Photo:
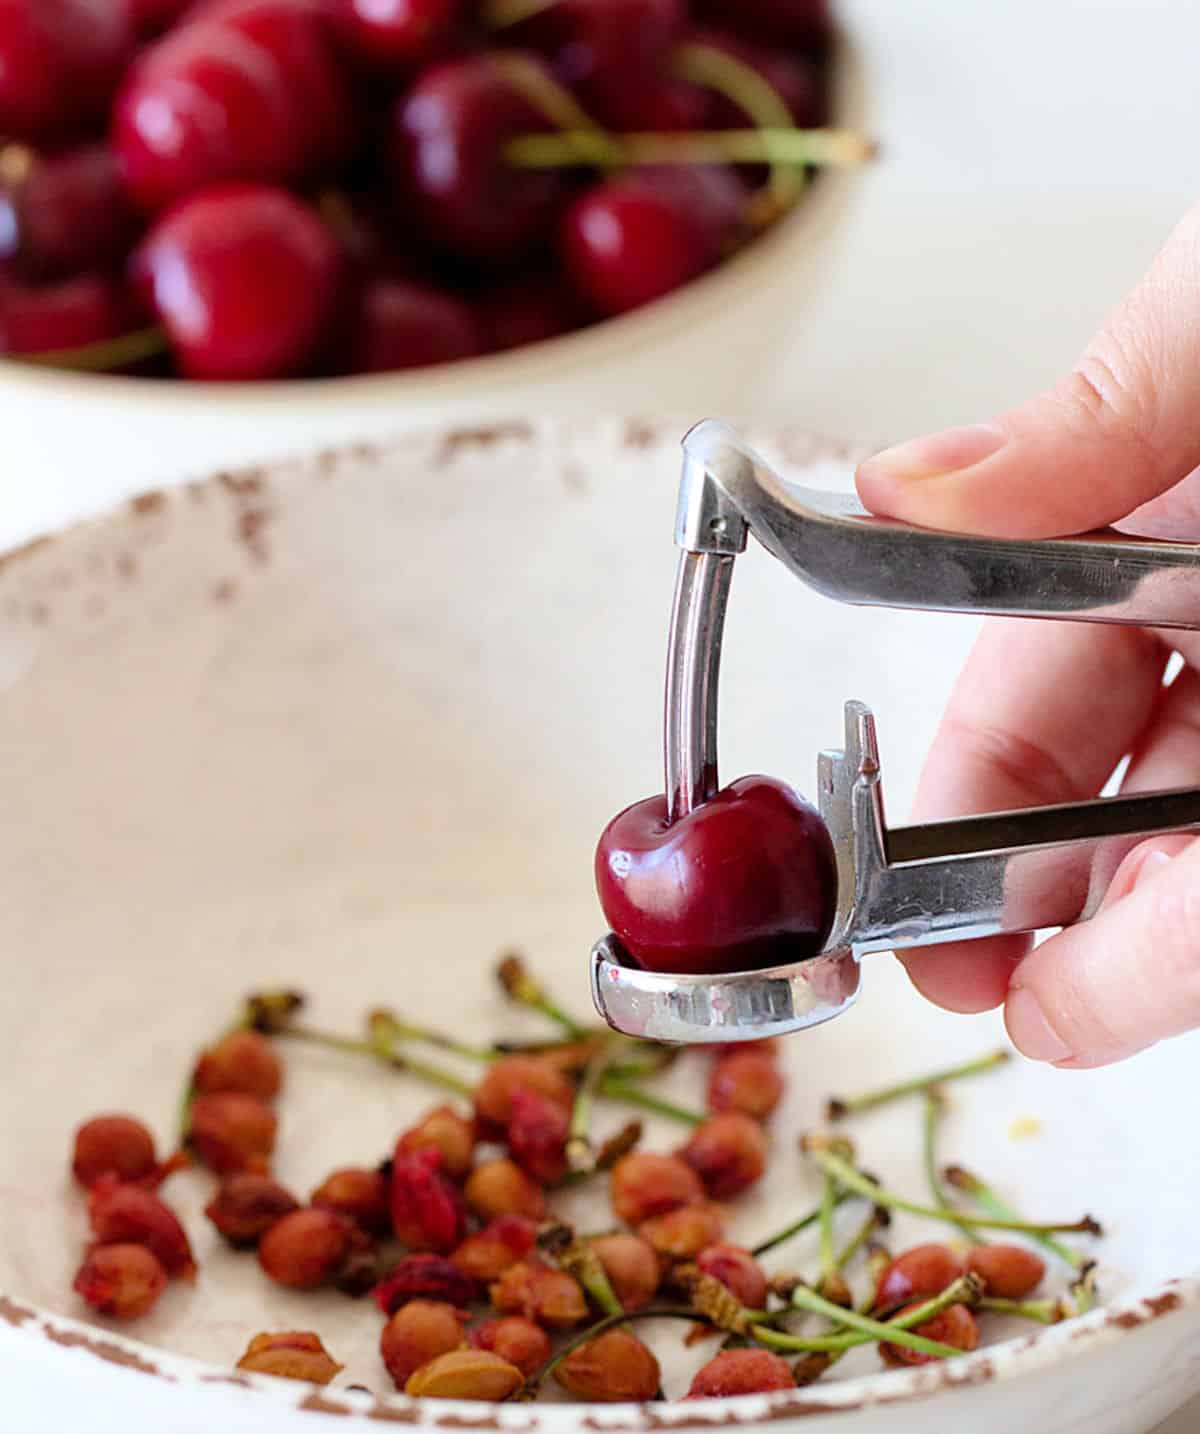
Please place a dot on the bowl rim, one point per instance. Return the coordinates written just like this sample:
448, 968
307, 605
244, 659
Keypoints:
1023, 1355
817, 212
1007, 1360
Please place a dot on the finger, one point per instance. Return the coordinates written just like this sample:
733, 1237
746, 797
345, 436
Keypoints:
1168, 751
1116, 432
1011, 737
1127, 978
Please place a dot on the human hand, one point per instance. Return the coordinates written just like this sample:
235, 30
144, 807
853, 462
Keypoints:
1043, 712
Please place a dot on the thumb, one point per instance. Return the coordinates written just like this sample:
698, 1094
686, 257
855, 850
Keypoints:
1127, 978
1117, 431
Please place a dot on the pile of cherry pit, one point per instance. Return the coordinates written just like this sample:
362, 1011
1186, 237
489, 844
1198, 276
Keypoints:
259, 189
487, 1295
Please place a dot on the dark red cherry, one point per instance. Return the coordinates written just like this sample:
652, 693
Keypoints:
447, 155
248, 90
244, 279
152, 17
400, 32
744, 881
799, 24
612, 51
66, 212
51, 318
663, 104
526, 311
59, 63
796, 79
633, 239
401, 324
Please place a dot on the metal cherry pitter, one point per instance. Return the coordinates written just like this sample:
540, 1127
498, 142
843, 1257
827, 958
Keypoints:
898, 887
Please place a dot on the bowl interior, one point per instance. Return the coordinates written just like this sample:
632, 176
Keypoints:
353, 726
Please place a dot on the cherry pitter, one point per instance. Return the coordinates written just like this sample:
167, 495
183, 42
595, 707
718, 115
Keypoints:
896, 887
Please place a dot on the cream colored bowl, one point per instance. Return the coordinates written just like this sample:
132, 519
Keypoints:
353, 726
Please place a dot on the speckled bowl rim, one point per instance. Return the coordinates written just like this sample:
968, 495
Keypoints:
1005, 1361
703, 297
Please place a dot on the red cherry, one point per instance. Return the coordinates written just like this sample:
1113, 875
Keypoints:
70, 315
800, 24
797, 80
400, 32
745, 881
663, 105
249, 90
244, 279
526, 311
68, 212
630, 240
611, 50
448, 134
401, 324
59, 63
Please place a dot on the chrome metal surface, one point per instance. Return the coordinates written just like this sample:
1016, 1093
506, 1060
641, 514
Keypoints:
834, 546
910, 886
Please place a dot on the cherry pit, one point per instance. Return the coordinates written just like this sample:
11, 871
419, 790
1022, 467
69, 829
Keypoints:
236, 190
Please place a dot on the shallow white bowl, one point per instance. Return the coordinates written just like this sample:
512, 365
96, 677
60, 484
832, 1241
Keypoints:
353, 726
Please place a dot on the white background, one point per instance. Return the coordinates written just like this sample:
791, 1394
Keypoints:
1036, 152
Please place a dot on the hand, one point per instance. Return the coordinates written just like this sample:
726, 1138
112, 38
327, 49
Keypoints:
1045, 711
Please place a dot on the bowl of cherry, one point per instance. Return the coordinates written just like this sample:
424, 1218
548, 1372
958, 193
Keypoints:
293, 1140
261, 190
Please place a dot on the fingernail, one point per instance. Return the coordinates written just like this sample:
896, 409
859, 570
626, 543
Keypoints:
1031, 1032
936, 456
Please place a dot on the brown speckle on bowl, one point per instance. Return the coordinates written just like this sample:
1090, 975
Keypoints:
484, 437
151, 502
13, 1313
103, 1349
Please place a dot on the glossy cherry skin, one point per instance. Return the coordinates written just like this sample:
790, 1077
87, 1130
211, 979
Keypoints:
60, 61
400, 324
51, 318
447, 138
612, 51
399, 33
630, 240
67, 213
745, 881
800, 24
244, 279
249, 89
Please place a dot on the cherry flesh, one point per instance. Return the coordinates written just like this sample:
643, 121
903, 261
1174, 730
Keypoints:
745, 881
244, 279
400, 324
67, 212
400, 32
60, 61
152, 17
447, 155
630, 240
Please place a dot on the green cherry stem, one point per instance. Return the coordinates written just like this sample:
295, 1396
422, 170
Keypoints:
841, 1106
797, 1227
105, 356
581, 1157
853, 1179
1043, 1311
571, 147
394, 1060
828, 1255
860, 1329
521, 987
392, 1028
629, 1094
987, 1199
931, 1123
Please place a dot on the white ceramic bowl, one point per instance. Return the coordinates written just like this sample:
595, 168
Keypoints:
81, 441
353, 726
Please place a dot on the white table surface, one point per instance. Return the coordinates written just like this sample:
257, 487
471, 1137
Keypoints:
1036, 153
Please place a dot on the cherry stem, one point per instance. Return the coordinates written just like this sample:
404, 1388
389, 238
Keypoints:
521, 987
423, 1070
570, 148
875, 1221
499, 14
797, 1227
389, 1028
534, 1383
829, 1264
846, 1174
841, 1106
107, 354
985, 1197
630, 1094
716, 69
935, 1109
1043, 1311
581, 1157
860, 1329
